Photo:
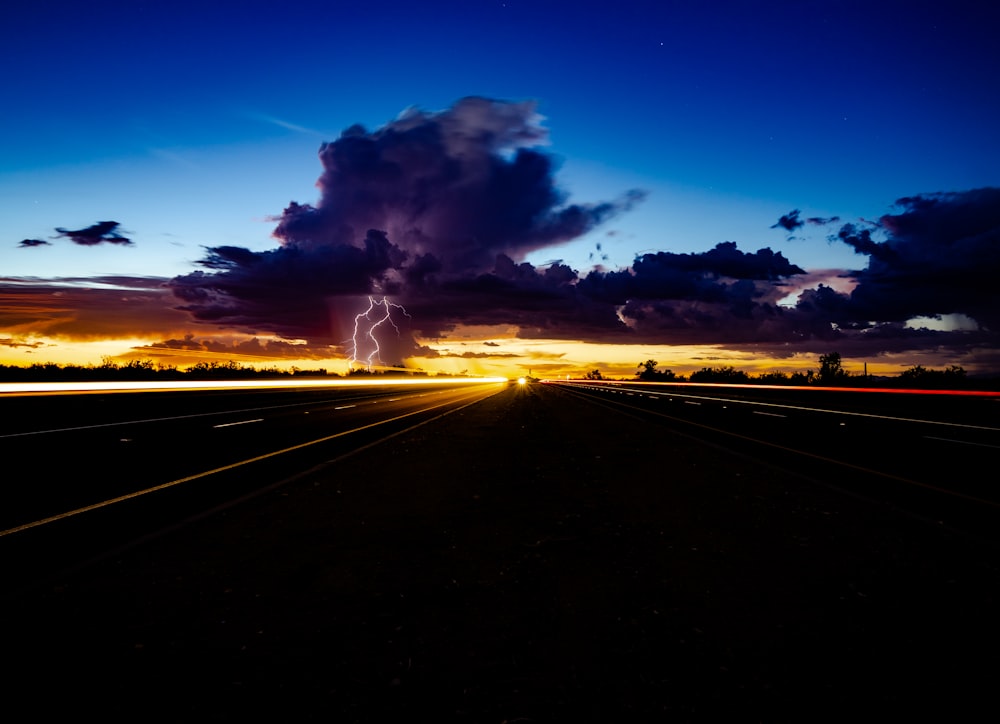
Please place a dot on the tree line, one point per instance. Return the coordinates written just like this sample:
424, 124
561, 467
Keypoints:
147, 370
831, 373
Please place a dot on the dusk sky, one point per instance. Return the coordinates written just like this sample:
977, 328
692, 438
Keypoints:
546, 186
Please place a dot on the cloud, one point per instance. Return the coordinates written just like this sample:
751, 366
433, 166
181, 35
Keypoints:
99, 233
29, 243
88, 309
940, 255
433, 208
437, 211
463, 184
18, 342
789, 222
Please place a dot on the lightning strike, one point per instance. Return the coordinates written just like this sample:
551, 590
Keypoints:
366, 326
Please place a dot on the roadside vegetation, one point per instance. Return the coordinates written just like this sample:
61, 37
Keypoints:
142, 369
830, 373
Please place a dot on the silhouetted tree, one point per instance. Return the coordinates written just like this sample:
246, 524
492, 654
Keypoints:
803, 378
593, 375
831, 369
647, 370
726, 374
649, 373
954, 376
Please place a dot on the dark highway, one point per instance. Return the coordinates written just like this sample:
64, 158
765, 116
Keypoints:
538, 552
106, 466
937, 447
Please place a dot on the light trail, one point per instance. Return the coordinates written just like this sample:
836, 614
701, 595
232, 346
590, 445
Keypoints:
50, 388
797, 388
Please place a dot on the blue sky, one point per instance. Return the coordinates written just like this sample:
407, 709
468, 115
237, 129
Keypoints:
195, 124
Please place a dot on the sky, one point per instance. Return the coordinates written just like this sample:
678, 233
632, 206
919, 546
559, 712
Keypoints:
547, 187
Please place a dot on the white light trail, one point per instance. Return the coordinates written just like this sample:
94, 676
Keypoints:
49, 388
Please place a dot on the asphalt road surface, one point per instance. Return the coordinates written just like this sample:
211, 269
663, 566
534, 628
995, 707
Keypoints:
538, 555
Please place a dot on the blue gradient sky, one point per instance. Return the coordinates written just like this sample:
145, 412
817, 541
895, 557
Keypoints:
194, 123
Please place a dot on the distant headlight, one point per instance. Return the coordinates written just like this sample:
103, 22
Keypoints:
522, 381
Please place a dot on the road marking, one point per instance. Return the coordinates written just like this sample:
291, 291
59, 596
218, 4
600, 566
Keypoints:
344, 407
241, 422
768, 414
963, 442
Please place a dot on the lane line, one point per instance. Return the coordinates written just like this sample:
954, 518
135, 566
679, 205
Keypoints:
963, 442
241, 422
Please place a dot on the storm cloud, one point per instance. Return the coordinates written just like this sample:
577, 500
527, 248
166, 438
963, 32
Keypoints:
437, 210
103, 232
430, 205
940, 255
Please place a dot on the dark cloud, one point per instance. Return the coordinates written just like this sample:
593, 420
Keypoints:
436, 212
789, 222
28, 243
100, 233
712, 276
429, 209
235, 349
939, 255
464, 184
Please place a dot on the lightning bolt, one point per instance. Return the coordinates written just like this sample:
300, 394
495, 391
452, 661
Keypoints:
365, 326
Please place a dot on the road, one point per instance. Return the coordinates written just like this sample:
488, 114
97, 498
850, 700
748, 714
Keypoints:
545, 554
937, 452
84, 471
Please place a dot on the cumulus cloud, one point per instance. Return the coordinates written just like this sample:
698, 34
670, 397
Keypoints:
437, 211
940, 255
103, 232
430, 208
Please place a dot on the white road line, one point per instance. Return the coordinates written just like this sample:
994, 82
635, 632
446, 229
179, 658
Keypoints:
344, 407
241, 422
768, 414
962, 442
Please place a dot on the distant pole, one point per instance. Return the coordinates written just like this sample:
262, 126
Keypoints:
866, 369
